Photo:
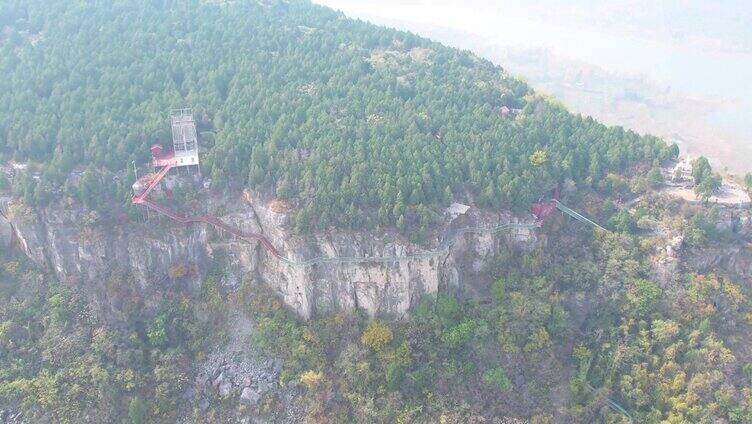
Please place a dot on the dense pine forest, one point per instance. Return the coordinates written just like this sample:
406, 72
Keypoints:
354, 124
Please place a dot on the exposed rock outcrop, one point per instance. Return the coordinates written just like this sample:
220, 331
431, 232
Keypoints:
235, 374
732, 260
6, 231
731, 257
61, 240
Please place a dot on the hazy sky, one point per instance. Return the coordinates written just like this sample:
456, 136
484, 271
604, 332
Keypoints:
702, 49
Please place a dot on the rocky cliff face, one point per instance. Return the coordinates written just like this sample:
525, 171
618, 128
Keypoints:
6, 231
61, 240
731, 258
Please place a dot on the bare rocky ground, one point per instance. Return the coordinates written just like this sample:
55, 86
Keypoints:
235, 384
730, 194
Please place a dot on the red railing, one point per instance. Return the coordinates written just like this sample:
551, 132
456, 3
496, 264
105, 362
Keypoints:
541, 210
141, 199
153, 183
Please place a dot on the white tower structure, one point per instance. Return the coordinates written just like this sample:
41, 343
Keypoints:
184, 139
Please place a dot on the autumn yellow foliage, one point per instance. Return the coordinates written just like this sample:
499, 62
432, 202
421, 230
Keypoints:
539, 157
311, 379
377, 335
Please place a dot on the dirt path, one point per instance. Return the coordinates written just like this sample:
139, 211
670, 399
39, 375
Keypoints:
729, 194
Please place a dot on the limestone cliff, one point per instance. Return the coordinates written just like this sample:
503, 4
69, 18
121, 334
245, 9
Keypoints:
65, 241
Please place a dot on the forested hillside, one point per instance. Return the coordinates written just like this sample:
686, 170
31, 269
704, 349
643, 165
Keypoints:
355, 124
564, 330
64, 361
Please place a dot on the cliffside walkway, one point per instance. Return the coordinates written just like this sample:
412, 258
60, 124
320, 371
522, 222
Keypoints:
560, 206
142, 199
442, 249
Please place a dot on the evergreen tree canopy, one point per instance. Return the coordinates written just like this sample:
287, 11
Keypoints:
337, 116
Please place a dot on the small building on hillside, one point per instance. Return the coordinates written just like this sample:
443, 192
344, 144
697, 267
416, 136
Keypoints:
509, 112
457, 209
682, 173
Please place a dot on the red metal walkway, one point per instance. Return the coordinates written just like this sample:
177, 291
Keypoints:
541, 210
141, 199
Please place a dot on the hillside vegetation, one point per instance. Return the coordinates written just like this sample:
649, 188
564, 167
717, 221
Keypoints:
563, 328
360, 127
355, 124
